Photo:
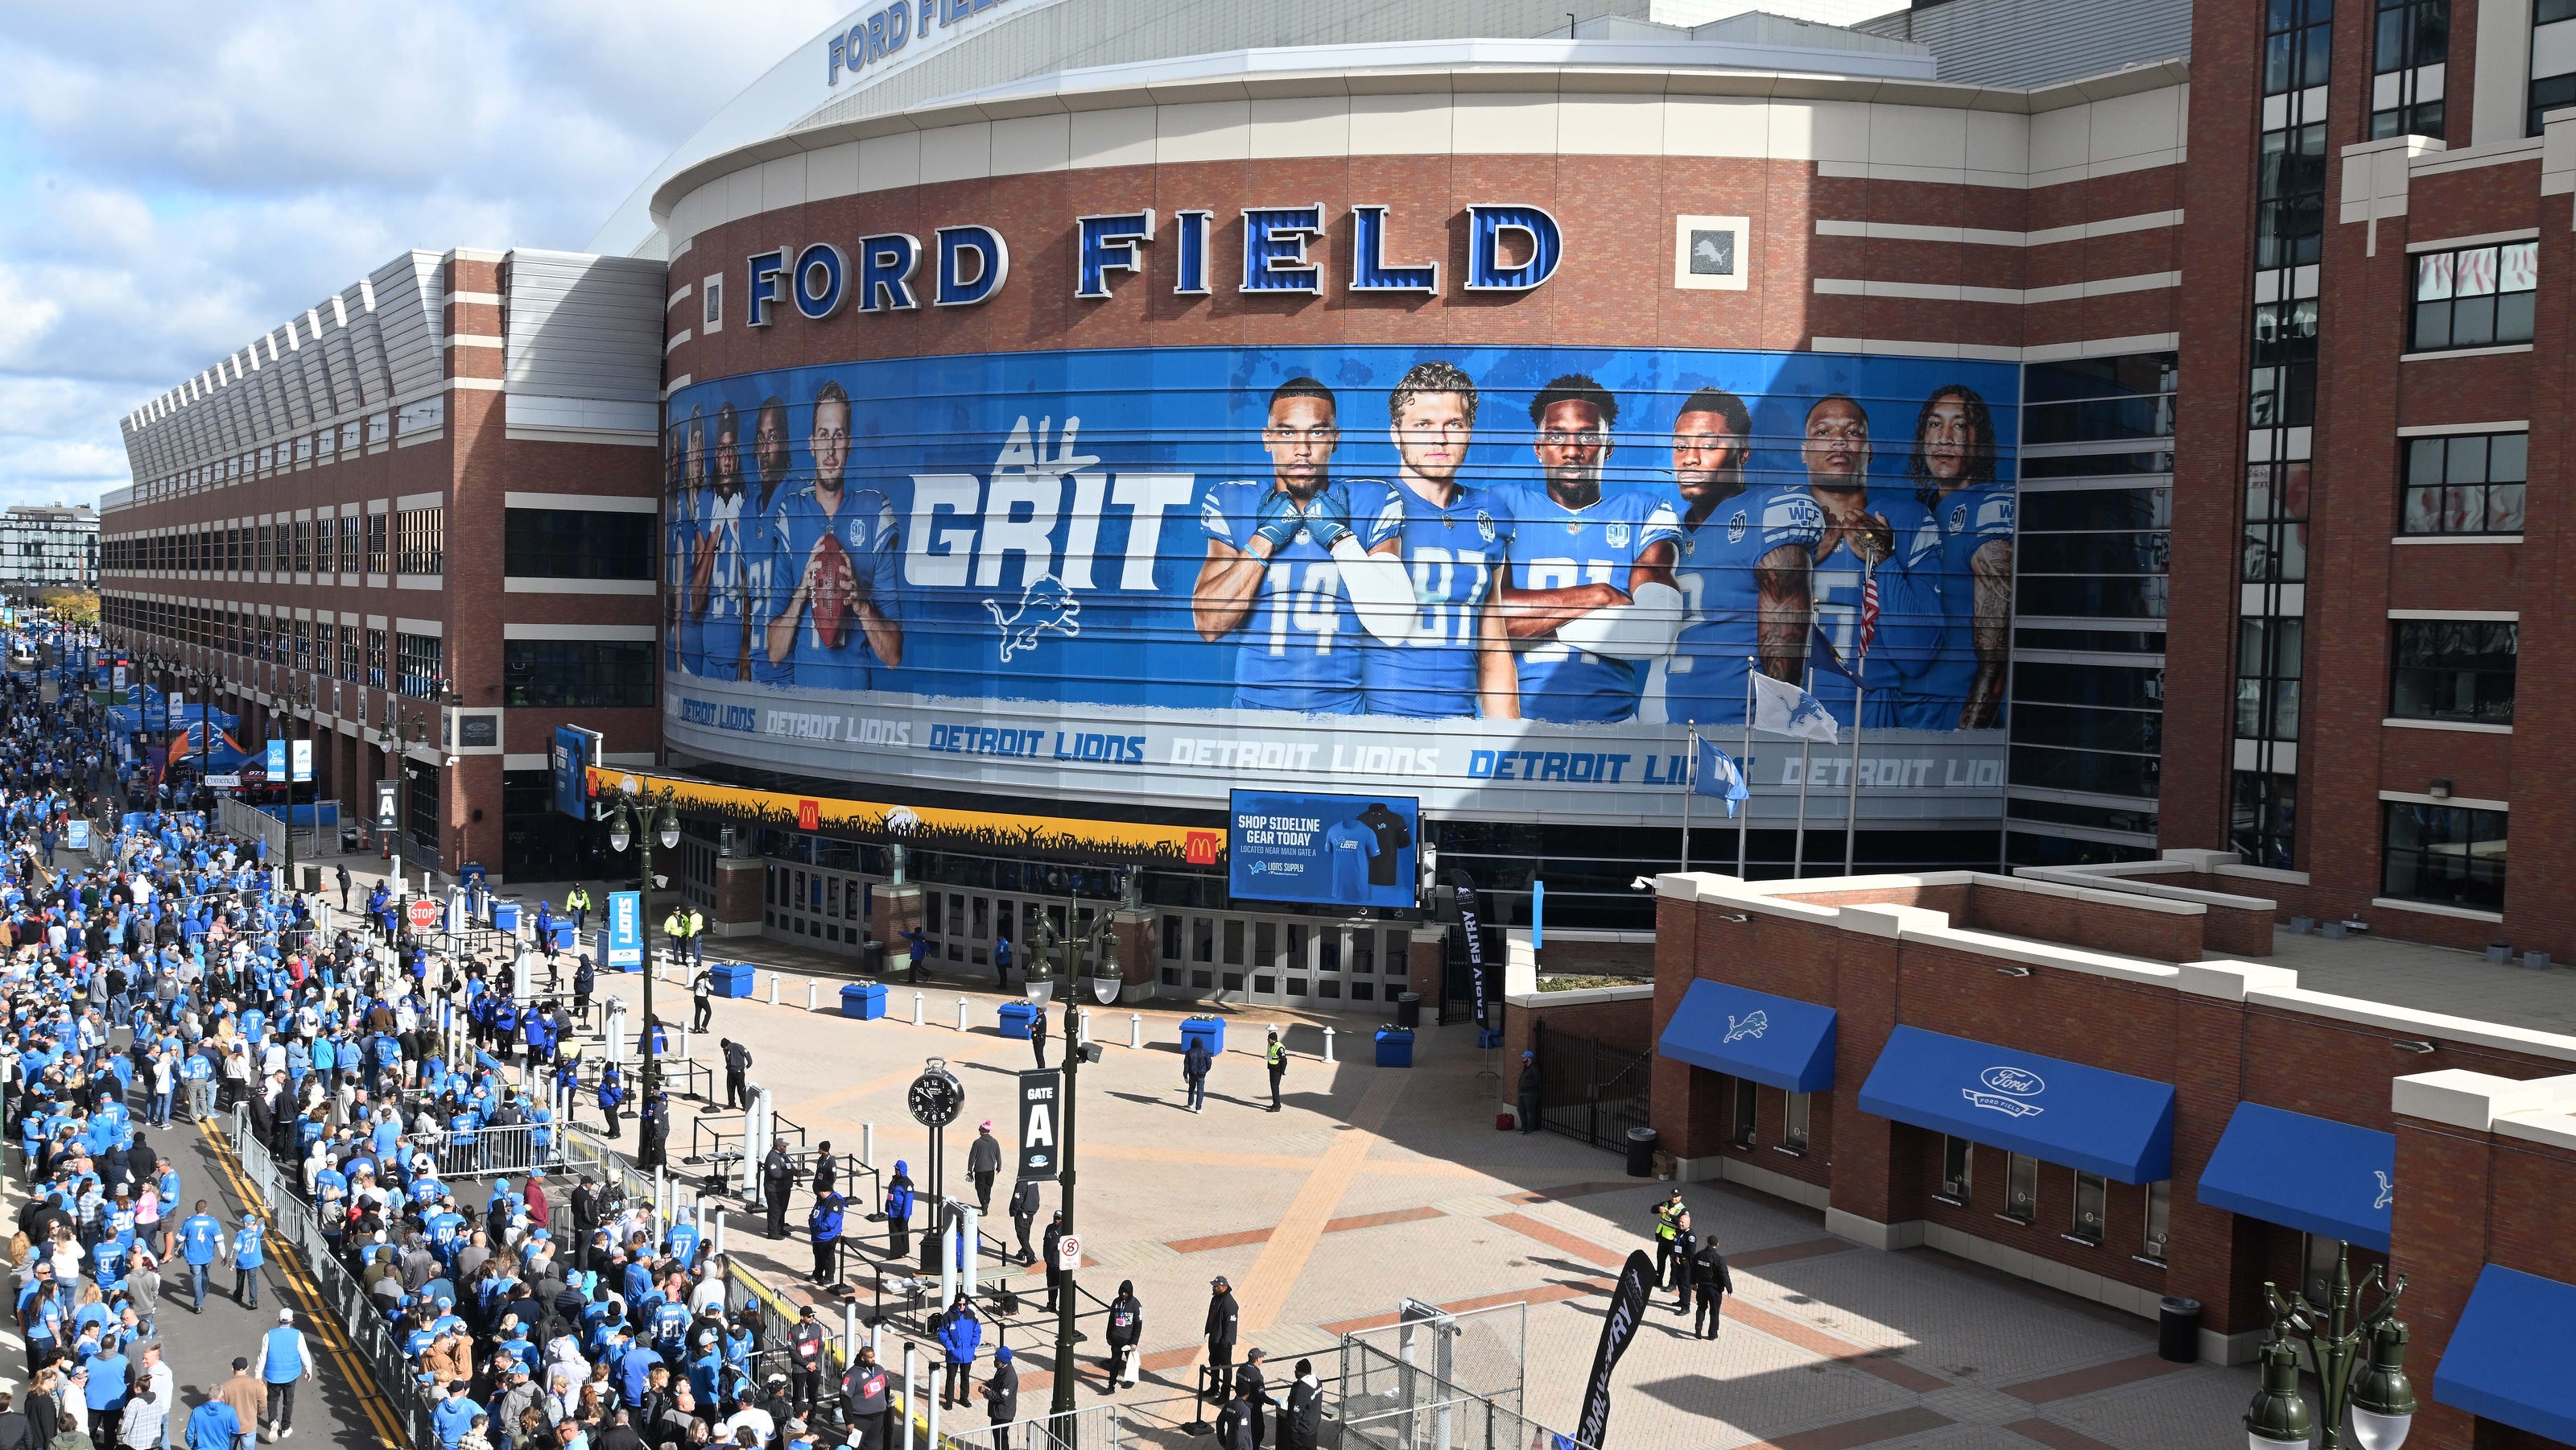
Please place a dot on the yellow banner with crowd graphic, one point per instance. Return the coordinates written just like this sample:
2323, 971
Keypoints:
929, 827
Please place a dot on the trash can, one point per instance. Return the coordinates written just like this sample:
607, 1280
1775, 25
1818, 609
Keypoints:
1641, 1152
1408, 1010
872, 957
2178, 1330
312, 878
865, 1001
1394, 1047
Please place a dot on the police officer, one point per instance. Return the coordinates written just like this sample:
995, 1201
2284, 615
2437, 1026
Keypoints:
1527, 1093
1668, 1216
1223, 1315
777, 1180
1254, 1393
1055, 1275
1276, 1057
1710, 1284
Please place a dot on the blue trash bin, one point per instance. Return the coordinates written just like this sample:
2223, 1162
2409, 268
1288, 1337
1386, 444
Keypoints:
1394, 1047
1016, 1017
865, 1001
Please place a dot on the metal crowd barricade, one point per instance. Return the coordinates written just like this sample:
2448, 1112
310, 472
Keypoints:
473, 1153
1381, 1402
1093, 1427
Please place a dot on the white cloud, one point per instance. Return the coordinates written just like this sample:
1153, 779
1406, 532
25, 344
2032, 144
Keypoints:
163, 201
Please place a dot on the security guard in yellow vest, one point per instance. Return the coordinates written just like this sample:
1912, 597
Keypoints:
1276, 1057
577, 903
675, 930
1668, 1228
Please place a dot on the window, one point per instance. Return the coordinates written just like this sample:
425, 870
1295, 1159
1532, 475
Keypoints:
2291, 205
2276, 523
326, 647
2450, 855
2405, 97
2467, 483
2475, 296
267, 538
2298, 39
2452, 669
420, 541
304, 546
579, 673
2159, 1217
2263, 819
2267, 677
422, 659
1747, 1108
2284, 380
376, 663
352, 530
2089, 1195
352, 655
326, 546
376, 543
1793, 1122
1958, 1168
578, 544
2021, 1187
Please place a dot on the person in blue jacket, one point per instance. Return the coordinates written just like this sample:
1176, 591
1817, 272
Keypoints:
201, 1238
284, 1361
898, 1210
214, 1426
612, 1094
824, 1224
960, 1335
455, 1415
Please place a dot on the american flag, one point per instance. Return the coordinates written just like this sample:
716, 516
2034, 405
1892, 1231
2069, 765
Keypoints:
1868, 614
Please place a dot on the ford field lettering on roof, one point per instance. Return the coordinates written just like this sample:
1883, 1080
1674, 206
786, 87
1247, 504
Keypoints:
2013, 1088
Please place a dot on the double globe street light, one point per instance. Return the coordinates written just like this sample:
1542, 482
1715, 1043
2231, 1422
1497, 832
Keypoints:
663, 827
2377, 1397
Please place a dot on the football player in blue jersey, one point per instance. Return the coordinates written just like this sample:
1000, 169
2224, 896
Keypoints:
1857, 549
1301, 564
1965, 543
770, 451
715, 575
681, 509
1588, 599
833, 554
1457, 660
1745, 557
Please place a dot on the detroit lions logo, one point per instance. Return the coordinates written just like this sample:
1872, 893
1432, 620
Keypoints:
1045, 605
1753, 1024
2387, 1188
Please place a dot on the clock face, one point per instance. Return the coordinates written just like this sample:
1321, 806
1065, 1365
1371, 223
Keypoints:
935, 1099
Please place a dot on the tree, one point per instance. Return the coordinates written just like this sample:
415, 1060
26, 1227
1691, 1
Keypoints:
72, 606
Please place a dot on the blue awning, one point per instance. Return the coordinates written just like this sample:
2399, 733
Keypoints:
2507, 1360
2311, 1174
2059, 1112
1779, 1042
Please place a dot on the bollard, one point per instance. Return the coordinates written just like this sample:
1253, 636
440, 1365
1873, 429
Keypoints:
773, 991
868, 1144
933, 1406
967, 1234
684, 1042
1328, 1044
911, 1397
811, 987
1136, 1029
715, 1235
1082, 1025
916, 1009
850, 1332
961, 1014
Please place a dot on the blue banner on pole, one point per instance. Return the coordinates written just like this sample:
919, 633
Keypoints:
623, 950
276, 760
571, 762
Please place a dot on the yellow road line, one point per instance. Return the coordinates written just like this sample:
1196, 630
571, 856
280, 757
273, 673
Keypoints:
335, 1342
1264, 1291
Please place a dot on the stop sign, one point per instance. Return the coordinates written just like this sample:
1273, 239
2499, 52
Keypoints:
425, 913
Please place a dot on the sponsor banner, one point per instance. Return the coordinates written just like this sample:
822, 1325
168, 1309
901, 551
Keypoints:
1618, 1327
1094, 842
1503, 580
574, 750
622, 934
1454, 767
1464, 886
1326, 850
1039, 1103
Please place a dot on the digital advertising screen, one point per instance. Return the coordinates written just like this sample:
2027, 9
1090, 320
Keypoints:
1323, 850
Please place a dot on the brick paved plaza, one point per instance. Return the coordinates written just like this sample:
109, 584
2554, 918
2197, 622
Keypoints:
1376, 1184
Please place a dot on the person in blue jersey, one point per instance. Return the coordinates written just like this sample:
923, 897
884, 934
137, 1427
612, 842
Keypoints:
688, 533
1746, 552
771, 454
716, 569
833, 552
1965, 544
1456, 662
678, 543
1861, 528
1588, 600
1300, 565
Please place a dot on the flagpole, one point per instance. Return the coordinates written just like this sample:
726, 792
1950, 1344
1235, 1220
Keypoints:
1744, 822
1690, 787
1798, 850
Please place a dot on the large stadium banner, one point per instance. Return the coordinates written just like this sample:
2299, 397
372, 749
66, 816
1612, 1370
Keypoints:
1499, 579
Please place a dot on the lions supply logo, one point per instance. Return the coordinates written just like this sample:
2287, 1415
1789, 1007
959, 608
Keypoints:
1737, 526
2387, 1188
1752, 1024
1045, 605
1484, 526
2011, 1091
1615, 535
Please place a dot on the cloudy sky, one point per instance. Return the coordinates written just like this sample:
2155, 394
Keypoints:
176, 179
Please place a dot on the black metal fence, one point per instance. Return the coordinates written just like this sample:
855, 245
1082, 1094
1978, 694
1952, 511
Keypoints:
1591, 1090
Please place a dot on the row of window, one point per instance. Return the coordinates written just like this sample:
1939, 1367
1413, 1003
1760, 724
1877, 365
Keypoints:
537, 543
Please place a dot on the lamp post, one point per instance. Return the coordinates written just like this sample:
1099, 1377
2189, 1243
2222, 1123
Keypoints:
400, 733
1077, 1052
292, 700
643, 818
2376, 1396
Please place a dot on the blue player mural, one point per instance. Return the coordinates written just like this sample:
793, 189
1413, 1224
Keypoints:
1570, 537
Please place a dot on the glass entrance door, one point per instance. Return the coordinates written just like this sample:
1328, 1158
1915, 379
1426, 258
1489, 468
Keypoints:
1220, 956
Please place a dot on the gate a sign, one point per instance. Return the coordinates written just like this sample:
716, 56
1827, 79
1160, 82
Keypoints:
1040, 1140
809, 815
